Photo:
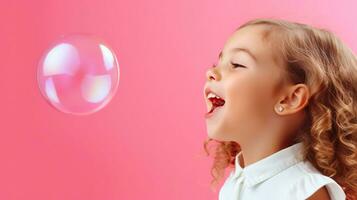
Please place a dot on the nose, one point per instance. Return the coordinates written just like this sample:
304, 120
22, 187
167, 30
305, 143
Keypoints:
212, 74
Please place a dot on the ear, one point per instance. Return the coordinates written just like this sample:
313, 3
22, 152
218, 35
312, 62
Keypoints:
294, 100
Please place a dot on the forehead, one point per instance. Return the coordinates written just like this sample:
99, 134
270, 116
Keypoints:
251, 38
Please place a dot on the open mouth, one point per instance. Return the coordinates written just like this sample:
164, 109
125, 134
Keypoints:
216, 101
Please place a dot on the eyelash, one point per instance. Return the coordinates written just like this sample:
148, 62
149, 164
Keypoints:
235, 65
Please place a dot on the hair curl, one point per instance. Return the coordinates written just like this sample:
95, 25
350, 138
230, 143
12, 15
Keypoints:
319, 59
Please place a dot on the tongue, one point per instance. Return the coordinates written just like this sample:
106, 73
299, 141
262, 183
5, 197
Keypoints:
216, 103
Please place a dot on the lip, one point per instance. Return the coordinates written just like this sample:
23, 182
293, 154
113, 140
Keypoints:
209, 115
208, 89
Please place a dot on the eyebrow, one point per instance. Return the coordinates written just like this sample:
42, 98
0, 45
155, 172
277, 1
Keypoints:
240, 49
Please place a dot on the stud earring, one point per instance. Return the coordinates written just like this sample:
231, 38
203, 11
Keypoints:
281, 108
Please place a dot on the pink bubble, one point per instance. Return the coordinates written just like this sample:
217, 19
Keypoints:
78, 74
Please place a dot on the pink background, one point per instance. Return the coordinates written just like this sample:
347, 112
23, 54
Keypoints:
147, 142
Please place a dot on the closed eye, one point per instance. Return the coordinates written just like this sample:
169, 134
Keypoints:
235, 65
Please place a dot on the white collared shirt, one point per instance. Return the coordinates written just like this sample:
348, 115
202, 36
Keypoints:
283, 175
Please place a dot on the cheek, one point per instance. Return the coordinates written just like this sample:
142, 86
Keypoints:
249, 100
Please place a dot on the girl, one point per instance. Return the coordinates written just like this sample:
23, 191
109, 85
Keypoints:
282, 104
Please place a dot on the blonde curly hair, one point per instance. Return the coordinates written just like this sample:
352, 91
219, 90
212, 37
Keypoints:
319, 59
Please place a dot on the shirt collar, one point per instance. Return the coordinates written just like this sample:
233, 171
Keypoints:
270, 165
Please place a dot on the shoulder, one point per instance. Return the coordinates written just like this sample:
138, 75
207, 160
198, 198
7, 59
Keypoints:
314, 185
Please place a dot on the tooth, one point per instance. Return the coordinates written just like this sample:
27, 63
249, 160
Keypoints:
211, 94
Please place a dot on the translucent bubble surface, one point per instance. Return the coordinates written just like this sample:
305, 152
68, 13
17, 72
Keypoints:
78, 74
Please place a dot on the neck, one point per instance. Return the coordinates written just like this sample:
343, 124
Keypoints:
256, 150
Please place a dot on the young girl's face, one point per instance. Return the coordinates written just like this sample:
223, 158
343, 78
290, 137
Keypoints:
248, 79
